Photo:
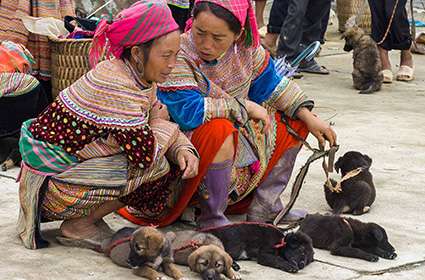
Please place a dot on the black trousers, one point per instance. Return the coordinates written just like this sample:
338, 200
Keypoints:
399, 37
299, 22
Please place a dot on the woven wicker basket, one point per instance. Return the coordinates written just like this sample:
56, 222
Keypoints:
347, 8
70, 61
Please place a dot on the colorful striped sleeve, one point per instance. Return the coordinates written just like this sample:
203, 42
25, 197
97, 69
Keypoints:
279, 92
187, 94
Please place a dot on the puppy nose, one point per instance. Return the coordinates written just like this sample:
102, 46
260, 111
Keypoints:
393, 256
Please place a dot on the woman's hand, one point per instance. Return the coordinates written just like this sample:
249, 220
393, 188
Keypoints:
159, 111
188, 163
258, 113
321, 130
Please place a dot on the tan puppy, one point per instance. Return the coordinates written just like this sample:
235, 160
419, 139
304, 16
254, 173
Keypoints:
212, 262
204, 253
146, 250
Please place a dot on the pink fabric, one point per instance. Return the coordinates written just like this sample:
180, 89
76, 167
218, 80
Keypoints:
240, 9
142, 22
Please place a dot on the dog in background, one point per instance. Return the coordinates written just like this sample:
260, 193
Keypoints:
367, 67
357, 191
269, 245
204, 253
348, 237
146, 250
9, 153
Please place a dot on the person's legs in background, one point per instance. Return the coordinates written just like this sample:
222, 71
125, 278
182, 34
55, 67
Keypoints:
398, 37
292, 29
260, 5
278, 13
324, 26
379, 24
317, 13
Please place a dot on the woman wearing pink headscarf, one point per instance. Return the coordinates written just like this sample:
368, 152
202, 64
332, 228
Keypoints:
106, 142
226, 94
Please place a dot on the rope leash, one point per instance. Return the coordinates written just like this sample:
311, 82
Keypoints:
193, 244
389, 23
299, 180
353, 173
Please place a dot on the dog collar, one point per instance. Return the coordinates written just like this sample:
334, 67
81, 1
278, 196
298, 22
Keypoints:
281, 244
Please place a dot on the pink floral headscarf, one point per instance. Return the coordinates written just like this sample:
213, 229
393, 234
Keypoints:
241, 9
142, 22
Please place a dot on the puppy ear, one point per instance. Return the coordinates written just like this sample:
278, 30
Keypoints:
191, 260
338, 164
228, 261
378, 234
228, 264
368, 159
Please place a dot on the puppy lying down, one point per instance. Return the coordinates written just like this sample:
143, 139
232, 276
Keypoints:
348, 237
146, 250
203, 253
269, 245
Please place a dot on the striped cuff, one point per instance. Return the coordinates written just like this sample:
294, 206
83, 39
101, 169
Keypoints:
288, 98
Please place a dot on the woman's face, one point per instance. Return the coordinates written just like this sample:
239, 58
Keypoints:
162, 57
212, 36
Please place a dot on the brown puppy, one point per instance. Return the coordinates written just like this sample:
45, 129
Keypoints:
211, 262
146, 250
203, 253
367, 66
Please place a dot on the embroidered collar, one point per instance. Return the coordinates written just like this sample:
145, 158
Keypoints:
136, 75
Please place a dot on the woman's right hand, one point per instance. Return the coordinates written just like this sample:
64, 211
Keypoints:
258, 113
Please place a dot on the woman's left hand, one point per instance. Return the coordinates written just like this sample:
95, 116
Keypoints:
159, 111
320, 129
188, 163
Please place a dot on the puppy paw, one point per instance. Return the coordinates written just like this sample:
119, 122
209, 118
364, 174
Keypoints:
389, 255
236, 276
291, 269
373, 259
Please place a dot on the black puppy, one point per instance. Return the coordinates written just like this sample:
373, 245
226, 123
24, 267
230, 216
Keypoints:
267, 244
357, 192
9, 153
348, 237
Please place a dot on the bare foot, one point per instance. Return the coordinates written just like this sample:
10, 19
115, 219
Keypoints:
79, 228
406, 58
385, 59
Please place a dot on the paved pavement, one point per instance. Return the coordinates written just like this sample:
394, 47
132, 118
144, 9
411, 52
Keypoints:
388, 126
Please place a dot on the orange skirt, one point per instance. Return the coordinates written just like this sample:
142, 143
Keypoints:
208, 140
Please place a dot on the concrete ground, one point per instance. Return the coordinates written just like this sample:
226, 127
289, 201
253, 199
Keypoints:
388, 126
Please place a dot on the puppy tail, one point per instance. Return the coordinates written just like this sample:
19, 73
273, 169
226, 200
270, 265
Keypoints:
371, 89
